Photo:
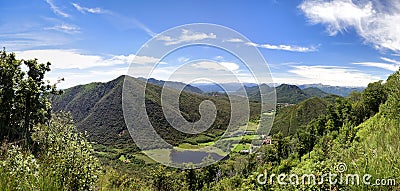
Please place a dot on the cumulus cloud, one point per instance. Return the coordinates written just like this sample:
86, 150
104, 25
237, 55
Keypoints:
375, 23
85, 76
69, 59
186, 36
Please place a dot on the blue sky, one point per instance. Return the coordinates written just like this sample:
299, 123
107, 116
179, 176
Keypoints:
338, 42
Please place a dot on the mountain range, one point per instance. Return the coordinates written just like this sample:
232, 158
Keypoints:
231, 87
97, 109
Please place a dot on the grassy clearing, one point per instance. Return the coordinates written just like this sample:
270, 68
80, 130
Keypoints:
238, 147
189, 146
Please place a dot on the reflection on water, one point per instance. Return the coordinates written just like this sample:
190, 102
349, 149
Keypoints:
194, 157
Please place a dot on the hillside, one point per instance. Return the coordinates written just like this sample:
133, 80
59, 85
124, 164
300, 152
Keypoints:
96, 109
289, 119
285, 93
369, 148
290, 94
315, 92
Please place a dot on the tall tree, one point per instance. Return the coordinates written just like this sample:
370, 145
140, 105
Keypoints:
23, 97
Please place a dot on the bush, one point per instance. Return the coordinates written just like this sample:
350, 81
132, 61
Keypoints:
19, 169
66, 155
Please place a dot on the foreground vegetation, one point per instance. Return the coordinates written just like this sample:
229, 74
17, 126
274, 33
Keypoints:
44, 151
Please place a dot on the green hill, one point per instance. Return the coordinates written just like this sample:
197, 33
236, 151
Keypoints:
290, 94
96, 109
289, 119
370, 148
312, 91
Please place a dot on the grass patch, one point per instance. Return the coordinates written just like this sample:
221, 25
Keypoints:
189, 146
238, 147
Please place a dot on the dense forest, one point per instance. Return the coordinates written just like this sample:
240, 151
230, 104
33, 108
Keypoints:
75, 139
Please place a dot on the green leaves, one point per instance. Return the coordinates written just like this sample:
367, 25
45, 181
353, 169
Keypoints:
67, 154
23, 97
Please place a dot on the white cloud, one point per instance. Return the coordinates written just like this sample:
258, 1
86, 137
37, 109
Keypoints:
329, 75
65, 28
88, 10
117, 18
390, 60
386, 66
292, 48
376, 24
186, 36
85, 76
393, 65
68, 59
56, 9
234, 40
28, 40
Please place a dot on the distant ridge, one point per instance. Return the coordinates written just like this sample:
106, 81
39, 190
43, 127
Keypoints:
285, 93
230, 87
173, 85
337, 90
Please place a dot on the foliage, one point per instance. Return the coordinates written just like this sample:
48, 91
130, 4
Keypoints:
290, 119
23, 97
19, 170
96, 108
66, 154
315, 92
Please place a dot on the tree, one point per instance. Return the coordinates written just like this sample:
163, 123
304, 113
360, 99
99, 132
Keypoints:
281, 144
392, 106
373, 96
23, 97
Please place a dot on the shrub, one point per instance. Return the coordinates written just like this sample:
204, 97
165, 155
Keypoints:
66, 155
19, 169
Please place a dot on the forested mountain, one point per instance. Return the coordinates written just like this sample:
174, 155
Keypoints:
44, 151
289, 119
290, 94
285, 93
97, 109
313, 91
